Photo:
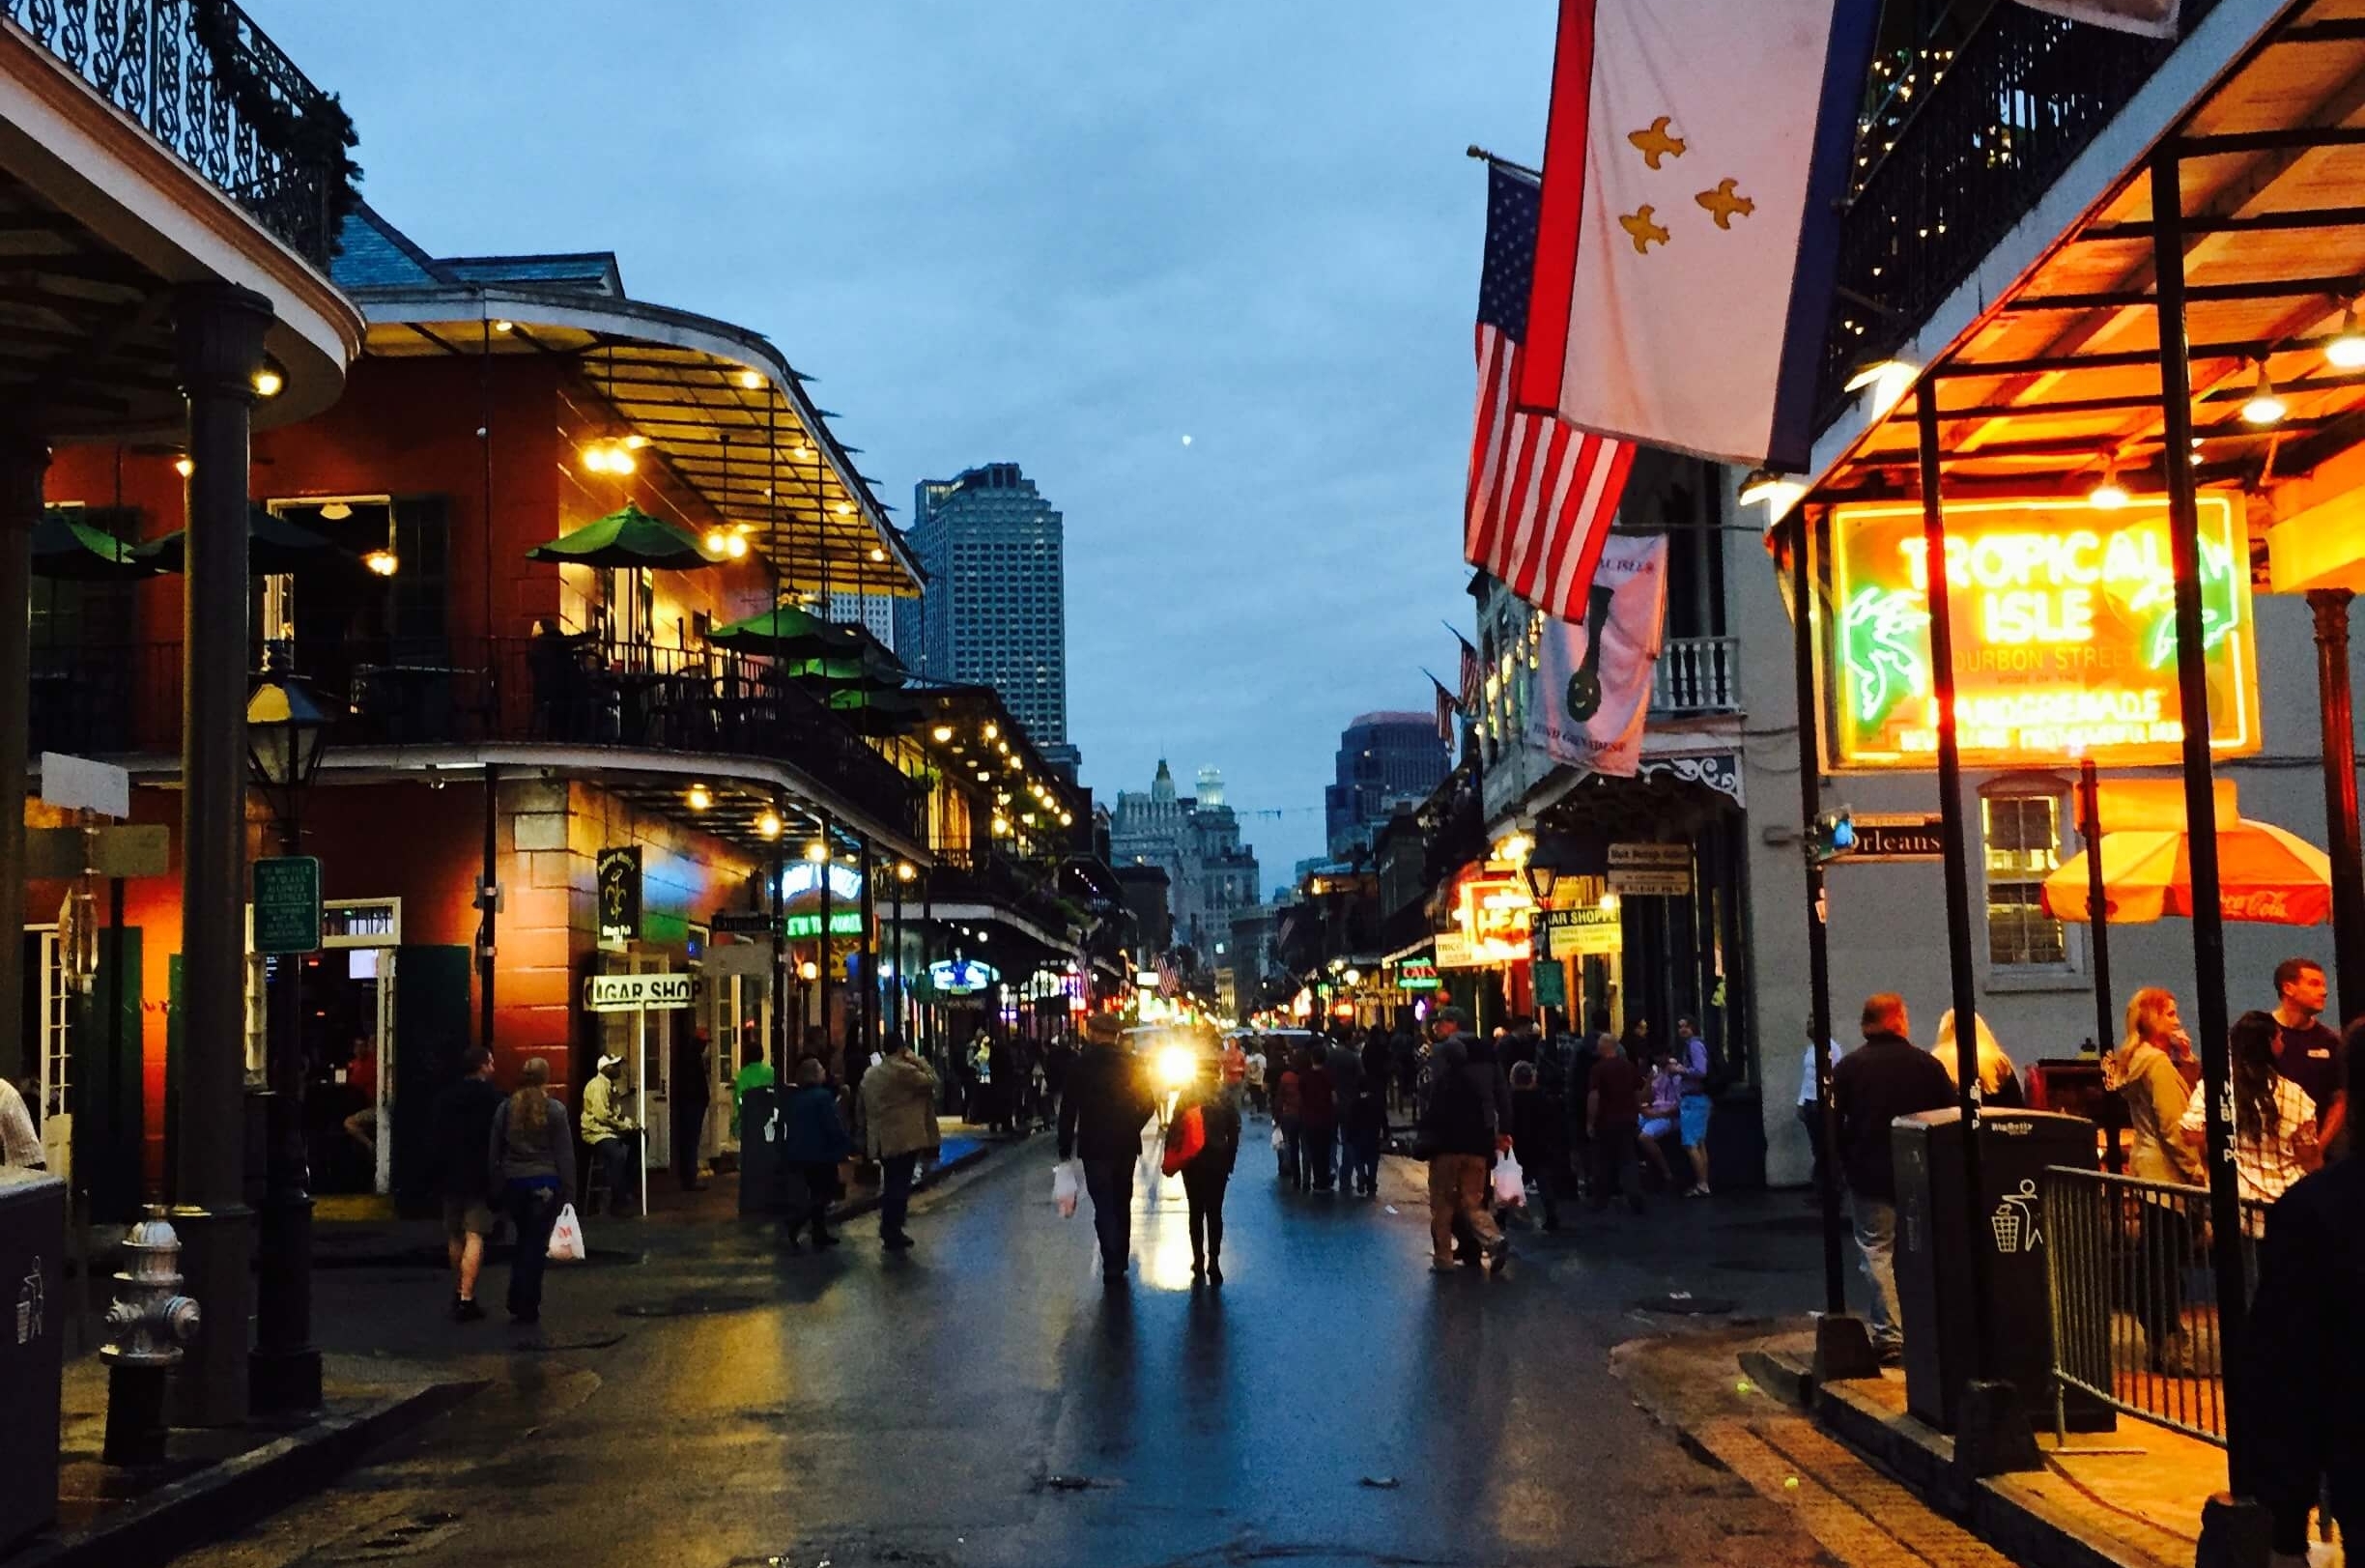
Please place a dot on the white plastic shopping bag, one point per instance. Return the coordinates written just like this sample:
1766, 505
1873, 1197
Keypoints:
1064, 1185
1510, 1183
1280, 1140
566, 1243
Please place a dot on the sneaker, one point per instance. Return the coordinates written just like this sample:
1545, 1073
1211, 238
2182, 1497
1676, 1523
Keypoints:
896, 1244
1214, 1274
1496, 1259
1444, 1265
464, 1309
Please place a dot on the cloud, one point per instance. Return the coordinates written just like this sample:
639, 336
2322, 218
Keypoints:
1059, 232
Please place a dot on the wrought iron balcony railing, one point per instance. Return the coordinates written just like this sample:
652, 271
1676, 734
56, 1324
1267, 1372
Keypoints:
211, 86
1696, 675
127, 699
1969, 139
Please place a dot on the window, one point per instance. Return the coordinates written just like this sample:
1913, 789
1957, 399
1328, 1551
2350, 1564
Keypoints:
2023, 835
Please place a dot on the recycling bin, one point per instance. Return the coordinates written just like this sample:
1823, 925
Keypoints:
1934, 1239
31, 1349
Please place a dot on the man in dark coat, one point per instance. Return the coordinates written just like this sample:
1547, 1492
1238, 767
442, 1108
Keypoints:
1103, 1109
463, 1175
2300, 1428
1886, 1077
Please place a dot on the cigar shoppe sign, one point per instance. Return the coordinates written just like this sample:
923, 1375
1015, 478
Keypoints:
2065, 632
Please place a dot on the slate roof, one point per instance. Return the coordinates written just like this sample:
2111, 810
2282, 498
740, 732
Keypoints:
374, 254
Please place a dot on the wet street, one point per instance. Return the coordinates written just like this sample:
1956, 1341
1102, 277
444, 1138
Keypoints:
981, 1400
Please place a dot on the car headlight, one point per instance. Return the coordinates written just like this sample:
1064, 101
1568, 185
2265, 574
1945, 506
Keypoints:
1177, 1066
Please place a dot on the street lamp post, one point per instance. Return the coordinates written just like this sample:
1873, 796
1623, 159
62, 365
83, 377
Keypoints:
904, 872
286, 733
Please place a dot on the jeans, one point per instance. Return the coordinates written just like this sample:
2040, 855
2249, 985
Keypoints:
820, 1189
895, 1192
1320, 1145
1203, 1187
533, 1211
1363, 1159
1458, 1189
1615, 1159
1875, 1224
1290, 1152
1810, 1117
1110, 1184
2158, 1270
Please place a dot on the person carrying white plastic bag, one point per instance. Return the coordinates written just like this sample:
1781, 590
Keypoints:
566, 1243
1510, 1183
532, 1166
1067, 1182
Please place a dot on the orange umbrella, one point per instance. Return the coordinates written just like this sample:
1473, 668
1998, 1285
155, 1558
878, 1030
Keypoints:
2264, 875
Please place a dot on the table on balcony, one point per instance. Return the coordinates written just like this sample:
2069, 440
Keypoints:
407, 703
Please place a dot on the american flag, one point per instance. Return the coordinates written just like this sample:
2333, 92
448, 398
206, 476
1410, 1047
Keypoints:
1473, 680
1542, 493
1446, 708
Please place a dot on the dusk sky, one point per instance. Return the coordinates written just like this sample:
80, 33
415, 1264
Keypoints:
1067, 235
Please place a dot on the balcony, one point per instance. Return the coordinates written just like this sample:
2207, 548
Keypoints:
210, 85
1696, 675
1967, 140
115, 700
988, 876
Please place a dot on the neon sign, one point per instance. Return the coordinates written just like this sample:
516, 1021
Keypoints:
1493, 912
803, 881
2065, 632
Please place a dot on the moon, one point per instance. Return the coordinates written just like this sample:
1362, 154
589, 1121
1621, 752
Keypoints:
1186, 440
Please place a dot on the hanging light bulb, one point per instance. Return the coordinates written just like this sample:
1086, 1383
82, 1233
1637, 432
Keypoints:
2347, 350
700, 797
816, 851
504, 328
716, 541
750, 380
768, 825
735, 547
2264, 407
2109, 494
183, 467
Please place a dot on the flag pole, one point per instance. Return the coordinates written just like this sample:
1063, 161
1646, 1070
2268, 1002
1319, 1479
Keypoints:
1482, 155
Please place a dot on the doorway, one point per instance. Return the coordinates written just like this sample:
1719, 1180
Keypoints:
348, 1026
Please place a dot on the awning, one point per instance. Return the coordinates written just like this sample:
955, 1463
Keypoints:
717, 404
2056, 386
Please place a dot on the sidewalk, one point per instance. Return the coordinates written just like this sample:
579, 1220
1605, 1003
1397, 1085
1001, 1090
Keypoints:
214, 1482
381, 1241
1875, 1485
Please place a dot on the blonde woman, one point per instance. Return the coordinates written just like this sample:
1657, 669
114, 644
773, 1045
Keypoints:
1999, 1080
2144, 1071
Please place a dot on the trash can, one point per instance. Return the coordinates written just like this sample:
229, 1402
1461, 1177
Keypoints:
31, 1349
1933, 1257
761, 1171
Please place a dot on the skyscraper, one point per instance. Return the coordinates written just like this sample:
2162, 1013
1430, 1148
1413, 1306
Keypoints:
994, 612
1384, 760
1196, 840
873, 613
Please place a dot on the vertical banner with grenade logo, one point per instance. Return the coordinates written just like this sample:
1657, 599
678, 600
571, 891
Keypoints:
1593, 679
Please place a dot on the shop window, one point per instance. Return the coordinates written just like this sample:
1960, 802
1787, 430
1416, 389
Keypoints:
2023, 835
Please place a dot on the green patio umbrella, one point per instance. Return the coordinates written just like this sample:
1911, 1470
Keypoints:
274, 546
782, 632
887, 712
629, 537
66, 548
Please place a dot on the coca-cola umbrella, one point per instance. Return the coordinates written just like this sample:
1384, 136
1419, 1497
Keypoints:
2264, 875
274, 546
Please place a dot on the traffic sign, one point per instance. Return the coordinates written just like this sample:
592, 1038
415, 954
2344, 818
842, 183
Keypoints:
287, 905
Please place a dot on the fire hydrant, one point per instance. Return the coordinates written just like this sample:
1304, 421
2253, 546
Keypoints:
150, 1321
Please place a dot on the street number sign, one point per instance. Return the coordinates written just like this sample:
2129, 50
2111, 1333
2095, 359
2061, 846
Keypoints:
287, 905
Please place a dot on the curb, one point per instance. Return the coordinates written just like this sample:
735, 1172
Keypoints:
224, 1498
856, 1208
2022, 1528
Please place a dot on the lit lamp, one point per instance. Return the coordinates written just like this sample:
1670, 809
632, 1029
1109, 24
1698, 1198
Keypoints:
1542, 877
287, 730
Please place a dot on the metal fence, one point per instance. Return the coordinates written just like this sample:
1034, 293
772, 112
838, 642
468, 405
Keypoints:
211, 86
2135, 1303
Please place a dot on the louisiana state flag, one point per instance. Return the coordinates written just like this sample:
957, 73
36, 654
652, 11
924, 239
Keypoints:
1694, 173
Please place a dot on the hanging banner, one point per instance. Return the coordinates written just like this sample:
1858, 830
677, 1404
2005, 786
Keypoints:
2153, 19
1594, 686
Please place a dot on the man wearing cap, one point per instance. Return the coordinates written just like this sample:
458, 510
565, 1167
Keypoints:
609, 1133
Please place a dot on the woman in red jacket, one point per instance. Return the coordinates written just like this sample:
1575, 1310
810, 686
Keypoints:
1318, 1120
